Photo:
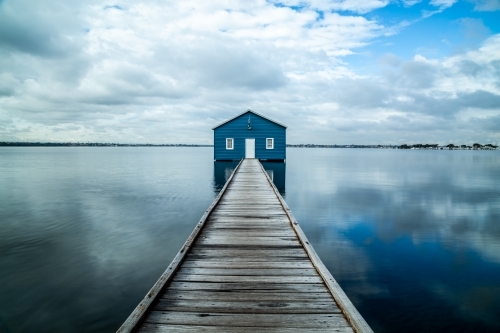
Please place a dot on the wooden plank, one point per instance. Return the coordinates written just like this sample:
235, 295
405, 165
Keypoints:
248, 199
278, 256
302, 258
247, 307
261, 195
249, 241
245, 295
248, 271
248, 232
259, 227
255, 202
264, 253
264, 191
253, 254
249, 253
232, 238
249, 214
168, 328
231, 203
268, 218
254, 287
254, 210
238, 229
249, 319
246, 264
250, 279
253, 226
249, 204
257, 222
242, 222
249, 217
252, 247
252, 187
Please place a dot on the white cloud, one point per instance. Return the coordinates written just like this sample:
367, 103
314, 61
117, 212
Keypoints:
356, 6
443, 3
486, 5
409, 3
167, 71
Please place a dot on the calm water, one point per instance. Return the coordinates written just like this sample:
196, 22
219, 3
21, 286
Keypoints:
413, 237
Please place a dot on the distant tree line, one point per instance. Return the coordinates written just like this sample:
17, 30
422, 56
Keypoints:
94, 144
451, 146
420, 146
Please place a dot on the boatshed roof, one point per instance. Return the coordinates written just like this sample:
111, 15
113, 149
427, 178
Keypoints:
247, 111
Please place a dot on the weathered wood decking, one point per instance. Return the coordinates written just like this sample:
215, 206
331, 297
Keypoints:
247, 267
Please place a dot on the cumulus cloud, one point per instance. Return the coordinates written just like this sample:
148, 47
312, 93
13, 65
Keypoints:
168, 71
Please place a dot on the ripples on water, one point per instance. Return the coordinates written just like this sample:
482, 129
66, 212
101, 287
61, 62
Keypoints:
413, 237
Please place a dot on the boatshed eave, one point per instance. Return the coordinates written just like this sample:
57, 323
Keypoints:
247, 111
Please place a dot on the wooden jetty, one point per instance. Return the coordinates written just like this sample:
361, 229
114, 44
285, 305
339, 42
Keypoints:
247, 267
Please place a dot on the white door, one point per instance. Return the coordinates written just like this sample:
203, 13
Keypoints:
249, 148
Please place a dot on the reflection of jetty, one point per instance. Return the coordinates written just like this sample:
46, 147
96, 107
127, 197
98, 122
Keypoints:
247, 267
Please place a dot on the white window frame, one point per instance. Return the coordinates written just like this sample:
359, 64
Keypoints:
232, 143
272, 143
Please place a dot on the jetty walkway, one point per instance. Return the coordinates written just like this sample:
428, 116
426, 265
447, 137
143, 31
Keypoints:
247, 267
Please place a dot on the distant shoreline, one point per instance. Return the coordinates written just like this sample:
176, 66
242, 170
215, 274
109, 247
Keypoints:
94, 144
475, 146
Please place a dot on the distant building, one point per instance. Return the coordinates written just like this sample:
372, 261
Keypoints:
250, 135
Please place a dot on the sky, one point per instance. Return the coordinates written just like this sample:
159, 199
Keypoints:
333, 71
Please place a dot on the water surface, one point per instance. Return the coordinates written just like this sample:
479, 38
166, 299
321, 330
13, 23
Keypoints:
85, 232
413, 237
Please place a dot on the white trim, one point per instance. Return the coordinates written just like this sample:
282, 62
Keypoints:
229, 146
272, 143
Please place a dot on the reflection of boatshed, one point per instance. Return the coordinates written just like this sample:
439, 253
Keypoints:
250, 135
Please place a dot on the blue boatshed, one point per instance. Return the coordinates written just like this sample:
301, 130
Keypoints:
250, 135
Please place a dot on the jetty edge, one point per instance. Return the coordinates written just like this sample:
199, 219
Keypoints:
253, 270
136, 317
348, 309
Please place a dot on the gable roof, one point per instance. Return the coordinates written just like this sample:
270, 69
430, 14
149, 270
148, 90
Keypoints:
247, 111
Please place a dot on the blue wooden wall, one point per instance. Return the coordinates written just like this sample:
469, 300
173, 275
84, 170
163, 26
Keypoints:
261, 129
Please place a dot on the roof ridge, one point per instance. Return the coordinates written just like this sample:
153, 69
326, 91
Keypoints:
257, 114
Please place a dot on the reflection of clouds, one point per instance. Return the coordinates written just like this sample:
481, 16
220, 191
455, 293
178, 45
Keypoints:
403, 193
488, 246
86, 232
479, 302
348, 264
432, 213
390, 223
